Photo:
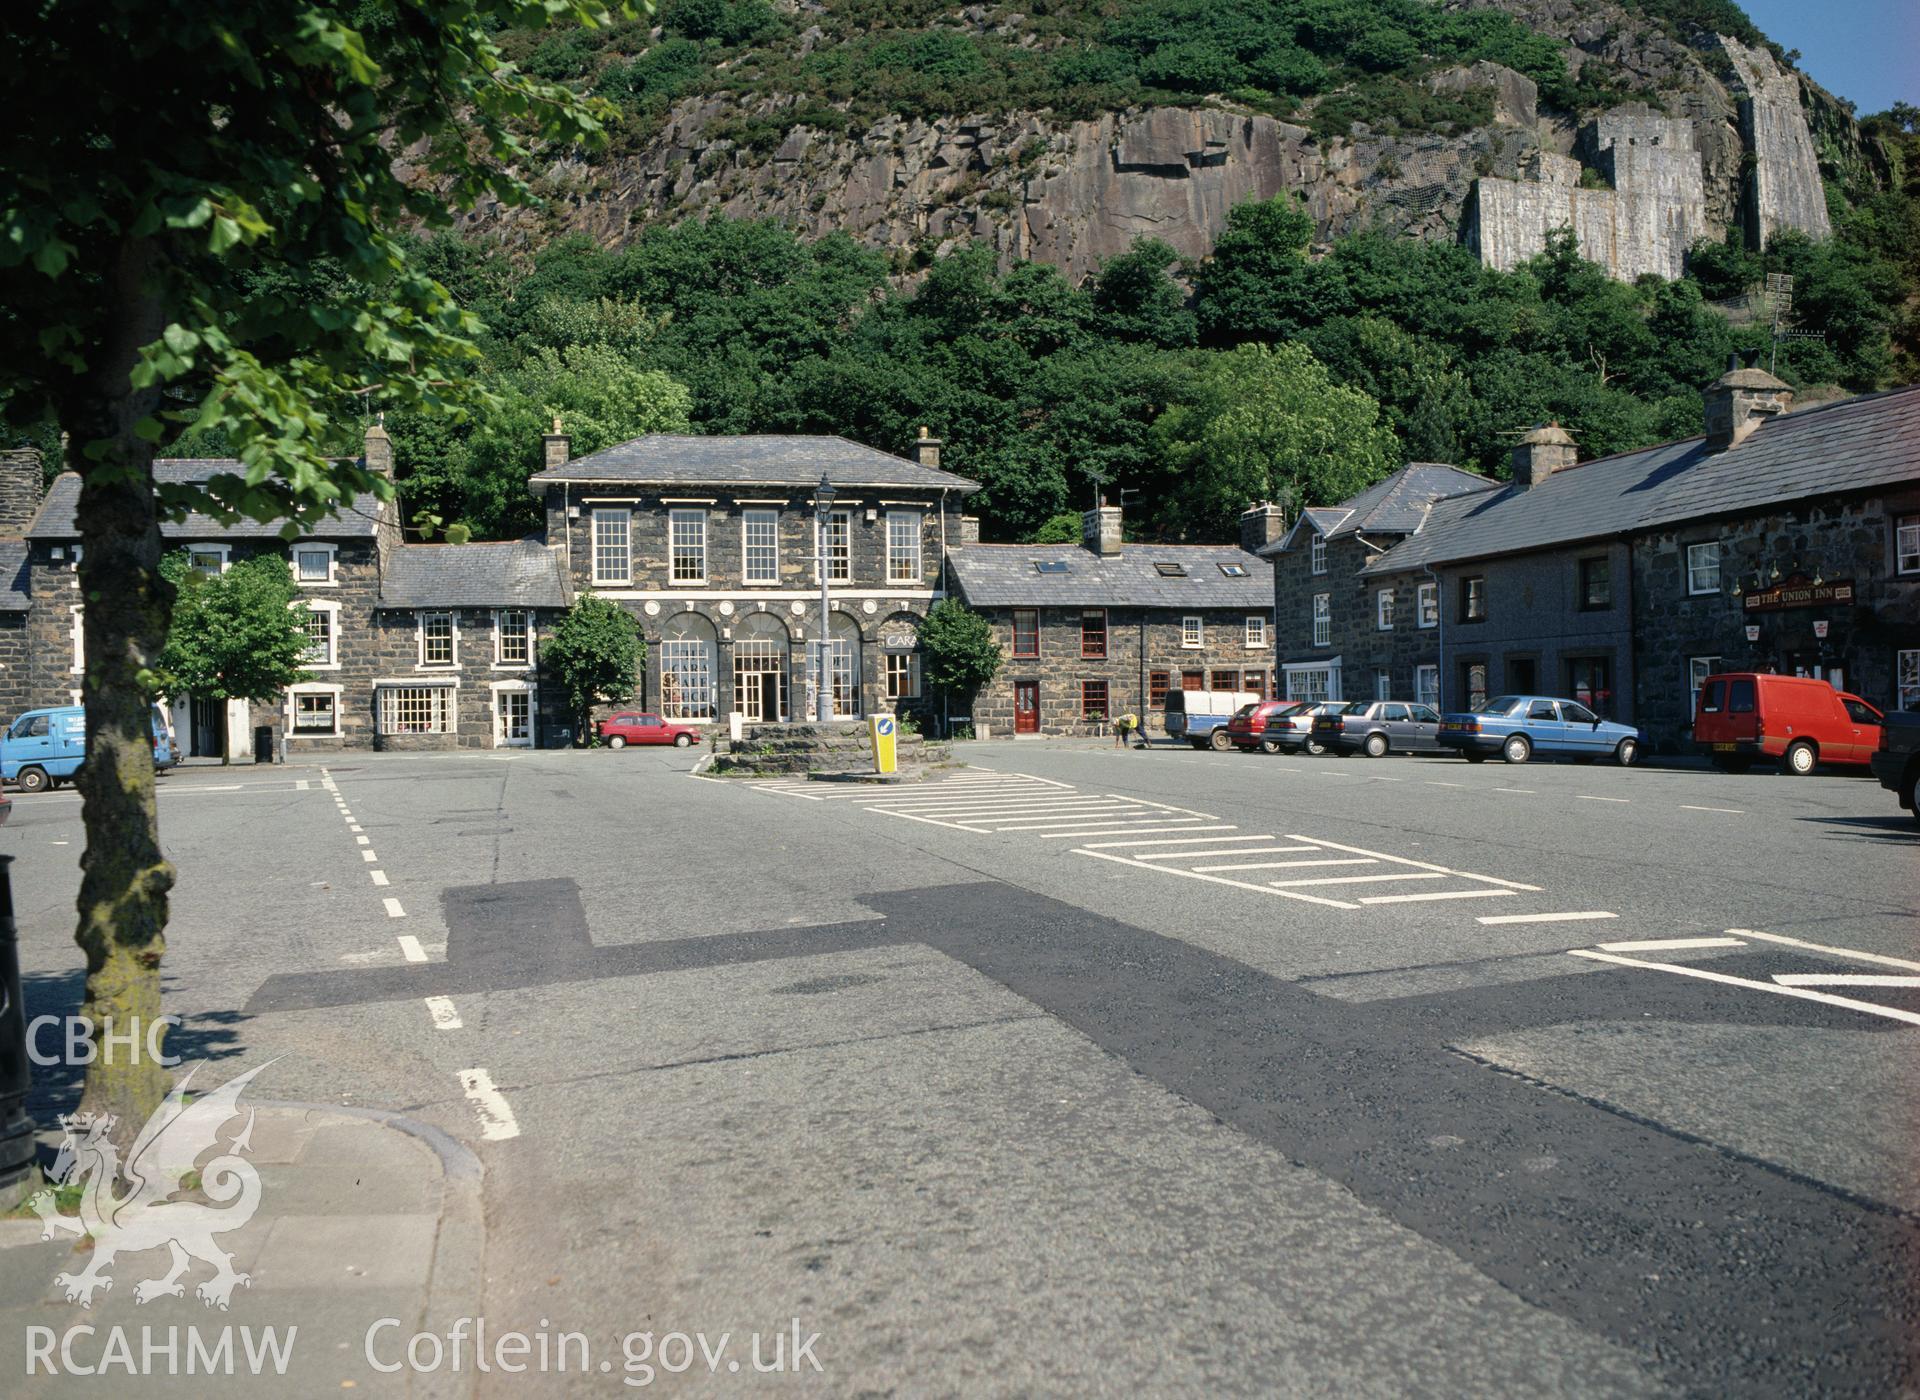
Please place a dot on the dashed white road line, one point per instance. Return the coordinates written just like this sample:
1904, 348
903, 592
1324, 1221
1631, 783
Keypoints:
445, 1016
1545, 918
1663, 945
1730, 811
369, 857
410, 948
379, 876
394, 911
1588, 797
497, 1122
1519, 792
363, 840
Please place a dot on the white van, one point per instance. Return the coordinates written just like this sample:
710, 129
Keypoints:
1200, 716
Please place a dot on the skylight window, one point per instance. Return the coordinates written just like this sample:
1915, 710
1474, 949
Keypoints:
1052, 566
1166, 568
1234, 570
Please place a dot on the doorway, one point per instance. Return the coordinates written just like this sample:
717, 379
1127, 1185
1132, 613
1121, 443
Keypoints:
209, 728
513, 710
1026, 707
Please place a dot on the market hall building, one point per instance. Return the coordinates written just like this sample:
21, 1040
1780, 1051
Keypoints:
1779, 540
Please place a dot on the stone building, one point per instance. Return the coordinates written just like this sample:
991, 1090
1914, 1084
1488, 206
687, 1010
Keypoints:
413, 646
1107, 628
711, 544
1784, 541
20, 478
1343, 639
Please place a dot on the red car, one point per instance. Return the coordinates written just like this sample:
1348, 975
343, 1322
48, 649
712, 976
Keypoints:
1247, 730
623, 729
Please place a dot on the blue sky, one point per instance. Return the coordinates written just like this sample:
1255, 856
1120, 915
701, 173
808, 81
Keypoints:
1866, 50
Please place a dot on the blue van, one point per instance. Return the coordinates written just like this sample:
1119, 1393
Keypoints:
44, 748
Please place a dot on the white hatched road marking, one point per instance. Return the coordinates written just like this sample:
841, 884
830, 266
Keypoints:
1892, 1013
1568, 918
1666, 945
1433, 894
1844, 979
1231, 851
1286, 864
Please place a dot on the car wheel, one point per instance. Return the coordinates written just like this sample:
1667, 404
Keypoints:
1314, 746
1376, 746
616, 742
1517, 749
1910, 795
680, 741
1800, 759
1221, 740
1627, 752
1269, 746
33, 780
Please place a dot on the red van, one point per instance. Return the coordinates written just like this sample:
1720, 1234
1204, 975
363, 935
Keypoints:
1797, 720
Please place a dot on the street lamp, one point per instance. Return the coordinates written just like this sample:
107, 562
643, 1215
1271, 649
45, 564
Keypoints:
823, 495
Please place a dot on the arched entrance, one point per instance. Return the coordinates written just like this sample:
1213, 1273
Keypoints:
689, 652
843, 669
761, 654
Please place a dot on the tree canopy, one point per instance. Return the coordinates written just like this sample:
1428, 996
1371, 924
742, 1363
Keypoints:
594, 654
235, 635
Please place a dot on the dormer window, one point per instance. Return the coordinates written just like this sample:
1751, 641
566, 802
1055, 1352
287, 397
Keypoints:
1317, 553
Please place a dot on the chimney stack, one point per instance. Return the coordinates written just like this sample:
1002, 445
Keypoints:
556, 447
1262, 524
1100, 529
1547, 449
1739, 401
926, 449
969, 530
21, 483
377, 449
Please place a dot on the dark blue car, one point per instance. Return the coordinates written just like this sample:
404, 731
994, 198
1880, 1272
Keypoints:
1518, 726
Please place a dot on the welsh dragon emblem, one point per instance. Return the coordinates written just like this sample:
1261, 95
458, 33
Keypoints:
148, 1215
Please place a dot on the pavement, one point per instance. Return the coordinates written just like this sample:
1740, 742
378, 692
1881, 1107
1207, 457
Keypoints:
1079, 1069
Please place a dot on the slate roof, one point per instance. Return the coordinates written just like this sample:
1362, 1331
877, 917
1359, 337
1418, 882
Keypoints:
13, 576
1003, 575
1394, 506
55, 518
496, 574
674, 459
1852, 445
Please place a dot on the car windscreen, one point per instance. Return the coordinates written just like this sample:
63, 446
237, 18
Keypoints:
1358, 707
1577, 714
1501, 705
1245, 712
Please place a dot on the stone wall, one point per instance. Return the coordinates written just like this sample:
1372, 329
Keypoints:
1060, 668
22, 483
16, 666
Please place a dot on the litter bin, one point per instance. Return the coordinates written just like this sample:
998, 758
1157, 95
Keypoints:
16, 1129
263, 743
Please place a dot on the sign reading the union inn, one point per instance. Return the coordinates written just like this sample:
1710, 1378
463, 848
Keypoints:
1798, 591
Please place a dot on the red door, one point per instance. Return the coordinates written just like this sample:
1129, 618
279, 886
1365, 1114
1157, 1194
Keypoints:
1026, 707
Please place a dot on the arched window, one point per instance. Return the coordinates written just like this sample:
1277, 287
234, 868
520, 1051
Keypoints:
688, 652
844, 668
761, 650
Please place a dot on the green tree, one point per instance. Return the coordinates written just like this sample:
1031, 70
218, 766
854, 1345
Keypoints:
595, 655
233, 635
1269, 424
958, 650
1063, 528
224, 254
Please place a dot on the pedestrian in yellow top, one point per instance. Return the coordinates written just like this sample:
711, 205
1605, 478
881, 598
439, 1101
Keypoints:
1126, 724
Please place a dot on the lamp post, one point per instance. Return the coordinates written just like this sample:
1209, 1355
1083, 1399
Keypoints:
823, 495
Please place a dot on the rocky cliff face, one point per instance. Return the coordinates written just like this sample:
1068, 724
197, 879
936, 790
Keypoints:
1734, 144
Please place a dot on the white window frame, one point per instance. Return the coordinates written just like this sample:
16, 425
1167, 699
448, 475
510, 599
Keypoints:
770, 520
224, 551
1299, 680
1323, 619
1906, 544
607, 555
1426, 605
1698, 669
1906, 679
331, 611
888, 662
420, 638
683, 658
1694, 589
79, 641
1426, 684
1193, 632
443, 707
500, 661
1256, 634
695, 519
498, 689
293, 711
840, 560
1317, 553
1383, 611
1383, 685
905, 564
332, 551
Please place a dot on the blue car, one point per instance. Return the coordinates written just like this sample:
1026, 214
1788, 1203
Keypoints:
1518, 726
44, 748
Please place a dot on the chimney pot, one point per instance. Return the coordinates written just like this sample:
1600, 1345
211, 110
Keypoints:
377, 448
1261, 524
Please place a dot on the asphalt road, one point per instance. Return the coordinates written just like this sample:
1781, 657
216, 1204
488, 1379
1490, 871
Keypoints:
1096, 1071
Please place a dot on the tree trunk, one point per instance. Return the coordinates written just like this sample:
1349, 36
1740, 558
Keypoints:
124, 880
